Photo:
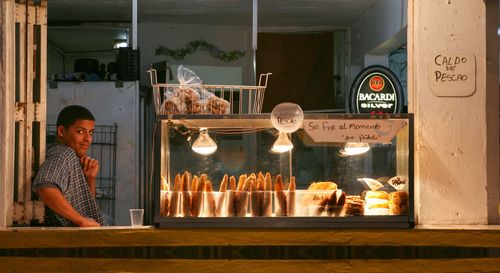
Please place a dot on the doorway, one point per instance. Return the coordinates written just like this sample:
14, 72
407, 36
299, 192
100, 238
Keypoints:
306, 70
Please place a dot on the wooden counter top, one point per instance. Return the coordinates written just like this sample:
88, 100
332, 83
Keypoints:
451, 236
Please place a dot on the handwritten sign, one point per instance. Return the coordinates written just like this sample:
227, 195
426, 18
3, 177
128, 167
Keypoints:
452, 74
362, 130
287, 117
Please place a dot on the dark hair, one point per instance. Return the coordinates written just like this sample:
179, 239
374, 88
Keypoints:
70, 114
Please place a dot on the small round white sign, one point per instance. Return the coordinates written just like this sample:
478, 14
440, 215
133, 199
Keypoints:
287, 117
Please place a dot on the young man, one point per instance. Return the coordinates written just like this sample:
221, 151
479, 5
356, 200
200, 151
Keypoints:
66, 180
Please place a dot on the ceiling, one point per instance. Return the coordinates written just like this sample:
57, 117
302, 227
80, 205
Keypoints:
273, 14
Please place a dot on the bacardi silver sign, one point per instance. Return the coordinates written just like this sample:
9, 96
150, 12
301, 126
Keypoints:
376, 90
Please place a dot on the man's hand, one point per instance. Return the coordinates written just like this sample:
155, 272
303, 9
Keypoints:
90, 167
88, 222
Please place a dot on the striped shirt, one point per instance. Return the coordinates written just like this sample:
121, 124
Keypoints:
62, 169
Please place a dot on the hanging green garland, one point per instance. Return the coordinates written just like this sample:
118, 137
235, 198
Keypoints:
191, 47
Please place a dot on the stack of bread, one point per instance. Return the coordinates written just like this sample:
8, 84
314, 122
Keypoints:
376, 203
354, 205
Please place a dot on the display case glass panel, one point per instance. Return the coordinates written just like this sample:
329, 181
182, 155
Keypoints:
343, 171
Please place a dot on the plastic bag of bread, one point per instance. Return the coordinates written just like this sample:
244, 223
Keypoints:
216, 105
173, 105
187, 77
187, 94
195, 97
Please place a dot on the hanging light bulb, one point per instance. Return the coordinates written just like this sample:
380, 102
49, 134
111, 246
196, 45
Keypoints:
355, 148
204, 144
282, 144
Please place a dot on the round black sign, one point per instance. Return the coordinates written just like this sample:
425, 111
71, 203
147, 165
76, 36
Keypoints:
376, 89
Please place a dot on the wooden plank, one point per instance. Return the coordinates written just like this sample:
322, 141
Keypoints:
128, 237
7, 108
60, 264
21, 18
30, 112
39, 111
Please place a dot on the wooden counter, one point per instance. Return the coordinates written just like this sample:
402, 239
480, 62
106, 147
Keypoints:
459, 236
147, 249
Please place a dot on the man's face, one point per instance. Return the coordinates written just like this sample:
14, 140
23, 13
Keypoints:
77, 136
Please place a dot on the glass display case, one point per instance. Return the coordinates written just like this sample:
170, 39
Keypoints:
344, 170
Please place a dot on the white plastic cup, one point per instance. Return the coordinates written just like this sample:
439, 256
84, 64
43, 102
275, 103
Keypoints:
136, 217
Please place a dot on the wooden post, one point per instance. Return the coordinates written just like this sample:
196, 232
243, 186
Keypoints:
23, 44
7, 108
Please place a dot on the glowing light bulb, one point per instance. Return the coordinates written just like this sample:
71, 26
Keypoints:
355, 148
282, 144
204, 144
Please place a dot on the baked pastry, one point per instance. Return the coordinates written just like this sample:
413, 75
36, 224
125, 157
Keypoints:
173, 105
210, 206
185, 195
187, 94
279, 188
197, 188
377, 203
220, 198
261, 197
216, 105
290, 197
176, 196
195, 107
376, 194
354, 205
398, 202
324, 185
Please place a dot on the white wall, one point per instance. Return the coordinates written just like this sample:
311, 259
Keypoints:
227, 38
109, 105
456, 137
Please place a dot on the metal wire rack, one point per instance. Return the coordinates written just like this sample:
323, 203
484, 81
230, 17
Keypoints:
103, 148
243, 99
